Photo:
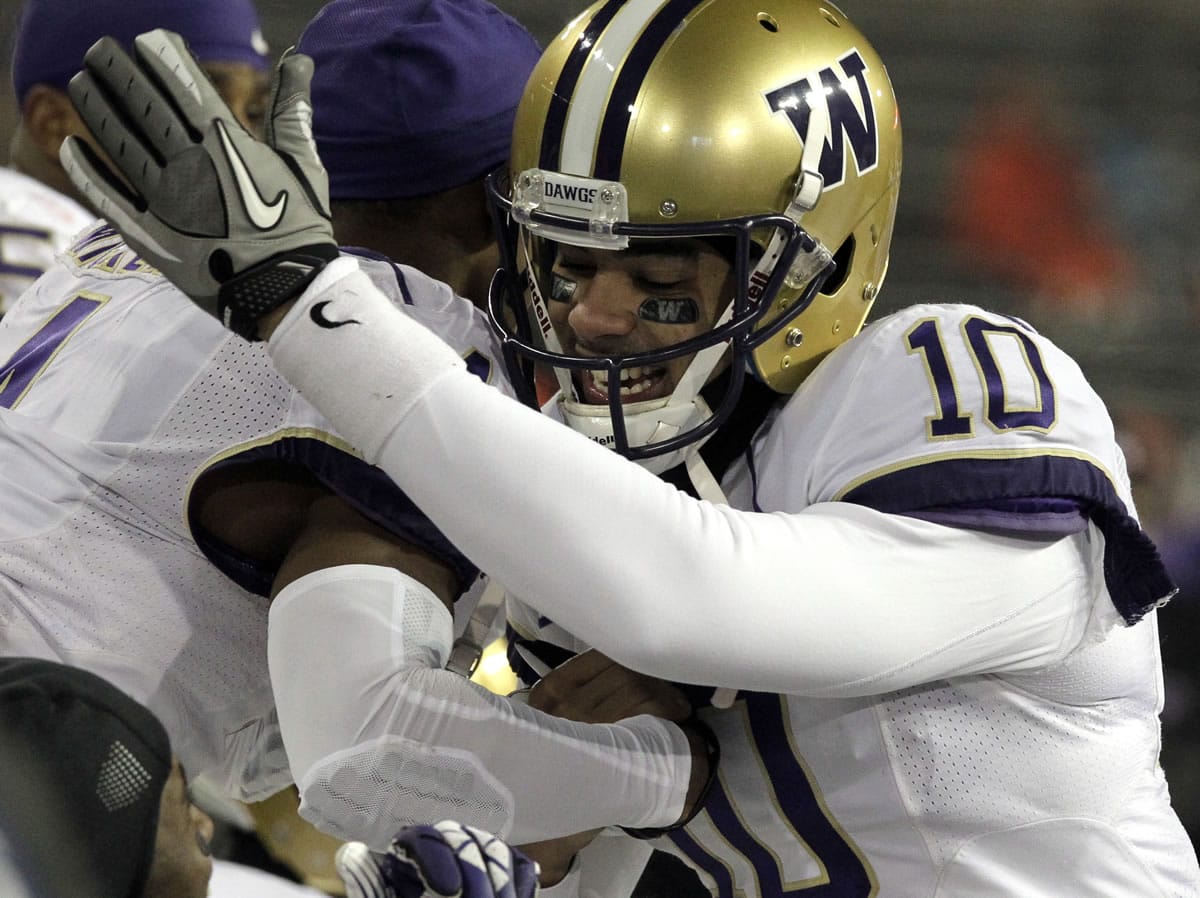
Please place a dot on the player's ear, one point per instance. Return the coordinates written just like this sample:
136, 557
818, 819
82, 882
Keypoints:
49, 118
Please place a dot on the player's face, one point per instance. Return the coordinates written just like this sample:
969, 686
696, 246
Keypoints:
245, 89
653, 295
182, 855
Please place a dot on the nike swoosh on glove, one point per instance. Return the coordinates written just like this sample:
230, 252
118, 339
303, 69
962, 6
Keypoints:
239, 225
447, 860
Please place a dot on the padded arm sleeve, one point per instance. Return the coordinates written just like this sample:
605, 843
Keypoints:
834, 600
379, 736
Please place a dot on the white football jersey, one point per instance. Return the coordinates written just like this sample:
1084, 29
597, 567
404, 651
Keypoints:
1039, 783
36, 223
116, 394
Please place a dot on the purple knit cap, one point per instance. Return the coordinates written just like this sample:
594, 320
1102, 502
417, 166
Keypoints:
53, 35
413, 97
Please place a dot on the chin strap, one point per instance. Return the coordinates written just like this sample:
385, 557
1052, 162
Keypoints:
693, 379
810, 183
464, 656
541, 314
703, 480
708, 489
807, 263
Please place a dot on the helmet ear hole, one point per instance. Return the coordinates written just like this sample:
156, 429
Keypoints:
843, 259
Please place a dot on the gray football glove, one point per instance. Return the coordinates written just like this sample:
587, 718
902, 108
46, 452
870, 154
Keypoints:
237, 224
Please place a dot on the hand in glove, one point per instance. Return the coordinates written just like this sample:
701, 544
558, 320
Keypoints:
448, 860
239, 225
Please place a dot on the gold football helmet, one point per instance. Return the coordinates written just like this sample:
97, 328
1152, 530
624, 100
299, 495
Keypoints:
771, 123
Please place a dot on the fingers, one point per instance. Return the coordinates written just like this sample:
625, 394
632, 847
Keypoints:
474, 866
125, 111
359, 872
100, 109
592, 688
290, 88
133, 120
457, 860
427, 849
525, 873
166, 57
289, 124
95, 180
447, 860
108, 196
647, 696
617, 693
558, 691
488, 864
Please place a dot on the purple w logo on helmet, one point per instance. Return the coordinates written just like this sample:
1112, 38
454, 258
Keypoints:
851, 115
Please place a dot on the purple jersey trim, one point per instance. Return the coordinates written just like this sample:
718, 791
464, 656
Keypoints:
846, 874
365, 487
1045, 517
366, 253
1031, 495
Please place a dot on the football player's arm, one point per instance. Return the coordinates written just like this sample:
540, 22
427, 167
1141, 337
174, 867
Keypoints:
835, 600
379, 735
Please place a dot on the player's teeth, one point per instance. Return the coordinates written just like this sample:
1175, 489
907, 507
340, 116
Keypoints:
634, 379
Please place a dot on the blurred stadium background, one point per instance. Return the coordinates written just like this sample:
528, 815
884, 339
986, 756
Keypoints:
1051, 172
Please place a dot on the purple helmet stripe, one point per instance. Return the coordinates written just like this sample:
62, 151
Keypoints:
611, 145
560, 103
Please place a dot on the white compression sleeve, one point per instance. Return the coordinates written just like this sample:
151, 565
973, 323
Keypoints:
371, 342
378, 736
835, 600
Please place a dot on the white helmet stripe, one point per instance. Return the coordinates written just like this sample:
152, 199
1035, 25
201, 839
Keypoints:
596, 83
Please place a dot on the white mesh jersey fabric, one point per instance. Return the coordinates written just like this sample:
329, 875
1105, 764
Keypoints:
893, 793
36, 223
132, 392
932, 790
